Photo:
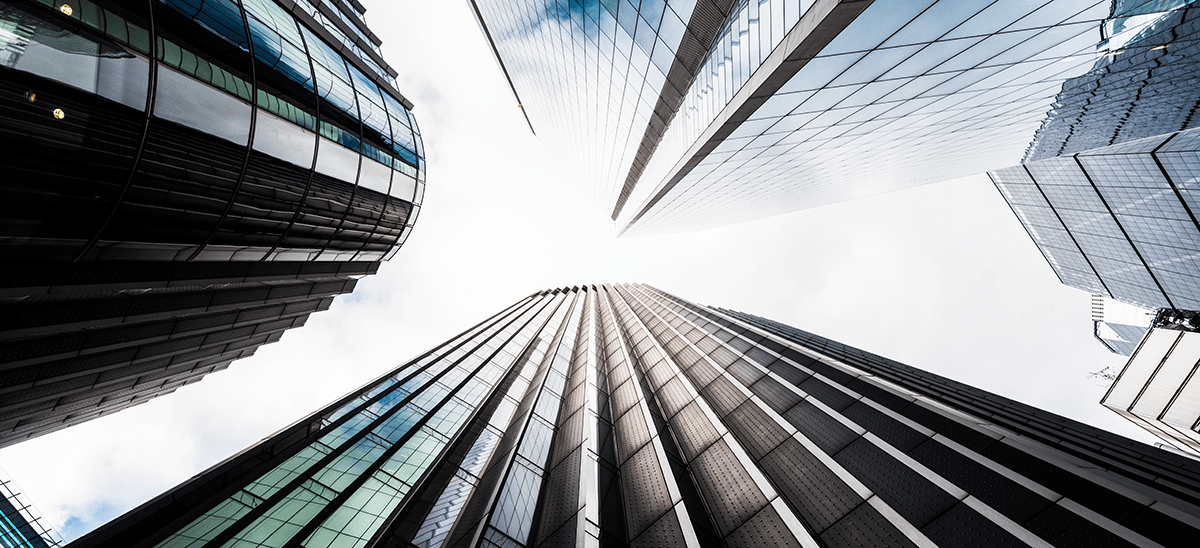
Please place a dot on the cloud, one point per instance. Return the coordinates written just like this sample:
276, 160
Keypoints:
941, 277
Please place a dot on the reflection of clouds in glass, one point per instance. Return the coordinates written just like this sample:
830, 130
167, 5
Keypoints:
1142, 90
586, 79
909, 113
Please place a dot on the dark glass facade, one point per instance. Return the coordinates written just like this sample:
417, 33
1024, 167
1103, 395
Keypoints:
1108, 186
183, 180
620, 415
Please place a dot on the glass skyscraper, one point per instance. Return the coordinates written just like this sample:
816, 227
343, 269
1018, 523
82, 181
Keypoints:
183, 181
621, 415
21, 525
691, 114
1108, 187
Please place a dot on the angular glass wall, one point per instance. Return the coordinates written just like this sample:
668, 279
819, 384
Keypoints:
774, 106
1106, 190
21, 525
901, 94
1158, 389
601, 79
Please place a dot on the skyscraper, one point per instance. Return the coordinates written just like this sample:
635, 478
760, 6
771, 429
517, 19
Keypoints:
692, 114
21, 525
1107, 189
1159, 390
620, 415
183, 181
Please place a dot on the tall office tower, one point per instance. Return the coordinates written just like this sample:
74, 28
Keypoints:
620, 415
21, 525
183, 182
690, 114
1159, 390
1107, 187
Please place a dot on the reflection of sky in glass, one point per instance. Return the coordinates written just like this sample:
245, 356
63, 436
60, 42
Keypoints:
908, 94
1143, 89
1106, 189
589, 76
21, 524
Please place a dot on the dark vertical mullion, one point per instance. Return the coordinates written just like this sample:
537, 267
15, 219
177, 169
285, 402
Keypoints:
333, 505
312, 69
935, 388
152, 85
1065, 229
624, 352
641, 324
237, 187
357, 174
246, 520
1113, 214
480, 502
387, 197
638, 376
544, 372
580, 337
390, 532
772, 476
1170, 181
606, 445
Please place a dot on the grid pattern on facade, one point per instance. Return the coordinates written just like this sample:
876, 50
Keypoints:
620, 415
750, 31
907, 93
1127, 209
901, 94
1146, 89
590, 74
21, 525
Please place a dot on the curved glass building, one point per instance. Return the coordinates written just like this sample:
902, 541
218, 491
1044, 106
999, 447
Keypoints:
159, 156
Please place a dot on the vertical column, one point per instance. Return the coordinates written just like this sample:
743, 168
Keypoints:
500, 510
568, 506
437, 522
655, 511
743, 503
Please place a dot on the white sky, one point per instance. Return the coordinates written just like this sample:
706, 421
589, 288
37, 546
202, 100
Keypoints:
941, 277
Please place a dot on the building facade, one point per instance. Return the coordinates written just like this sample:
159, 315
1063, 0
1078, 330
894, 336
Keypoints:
183, 182
620, 415
1107, 189
21, 525
693, 114
1158, 389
